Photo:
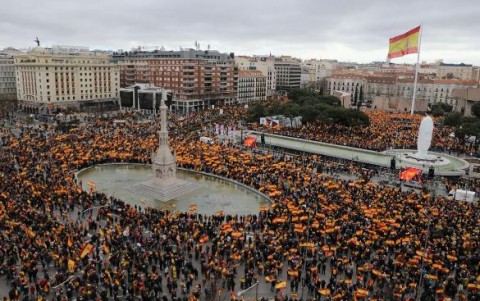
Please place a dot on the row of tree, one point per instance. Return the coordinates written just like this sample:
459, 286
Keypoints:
312, 107
466, 128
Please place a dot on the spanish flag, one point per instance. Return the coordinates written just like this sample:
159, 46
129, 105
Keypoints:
87, 249
69, 241
71, 265
404, 44
281, 285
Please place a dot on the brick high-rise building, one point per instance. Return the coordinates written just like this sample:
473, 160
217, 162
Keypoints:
198, 78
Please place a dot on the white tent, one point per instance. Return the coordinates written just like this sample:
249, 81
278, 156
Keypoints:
464, 195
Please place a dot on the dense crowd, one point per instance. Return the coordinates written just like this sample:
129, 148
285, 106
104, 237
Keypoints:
386, 130
321, 238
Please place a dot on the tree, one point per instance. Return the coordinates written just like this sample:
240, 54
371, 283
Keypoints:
476, 109
309, 114
290, 109
453, 119
356, 99
437, 111
254, 113
357, 118
467, 130
331, 100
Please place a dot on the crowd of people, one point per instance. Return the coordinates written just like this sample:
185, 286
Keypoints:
386, 130
321, 238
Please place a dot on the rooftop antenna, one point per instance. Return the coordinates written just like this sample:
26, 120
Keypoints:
196, 45
37, 41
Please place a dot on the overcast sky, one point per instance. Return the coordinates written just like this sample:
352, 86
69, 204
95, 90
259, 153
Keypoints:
347, 30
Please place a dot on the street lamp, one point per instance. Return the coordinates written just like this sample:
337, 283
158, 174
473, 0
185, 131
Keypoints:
91, 208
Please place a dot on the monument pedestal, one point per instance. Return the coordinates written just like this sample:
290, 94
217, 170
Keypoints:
164, 190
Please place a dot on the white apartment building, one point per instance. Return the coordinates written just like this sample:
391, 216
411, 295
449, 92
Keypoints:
264, 64
251, 86
65, 76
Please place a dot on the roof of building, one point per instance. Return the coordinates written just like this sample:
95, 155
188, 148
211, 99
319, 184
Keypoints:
455, 65
186, 54
347, 76
381, 79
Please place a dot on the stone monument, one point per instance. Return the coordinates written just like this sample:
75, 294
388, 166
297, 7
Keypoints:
165, 185
164, 163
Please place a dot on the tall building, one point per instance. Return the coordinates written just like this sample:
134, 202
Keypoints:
251, 86
198, 78
7, 78
289, 73
264, 64
65, 76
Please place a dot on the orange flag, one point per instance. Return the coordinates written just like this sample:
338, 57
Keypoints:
69, 241
203, 239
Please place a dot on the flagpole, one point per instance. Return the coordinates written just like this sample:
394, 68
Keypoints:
416, 70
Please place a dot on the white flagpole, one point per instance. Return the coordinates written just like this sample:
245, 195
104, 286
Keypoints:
416, 70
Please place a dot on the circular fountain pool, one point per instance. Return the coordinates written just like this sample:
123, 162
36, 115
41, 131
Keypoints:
214, 194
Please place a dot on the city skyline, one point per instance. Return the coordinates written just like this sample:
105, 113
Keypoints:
356, 32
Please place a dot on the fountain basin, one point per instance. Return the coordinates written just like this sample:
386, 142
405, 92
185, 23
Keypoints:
212, 194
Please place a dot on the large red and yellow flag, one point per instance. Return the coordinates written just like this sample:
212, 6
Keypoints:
404, 44
87, 249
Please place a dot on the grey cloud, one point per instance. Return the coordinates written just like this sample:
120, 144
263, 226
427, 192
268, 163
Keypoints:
304, 27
